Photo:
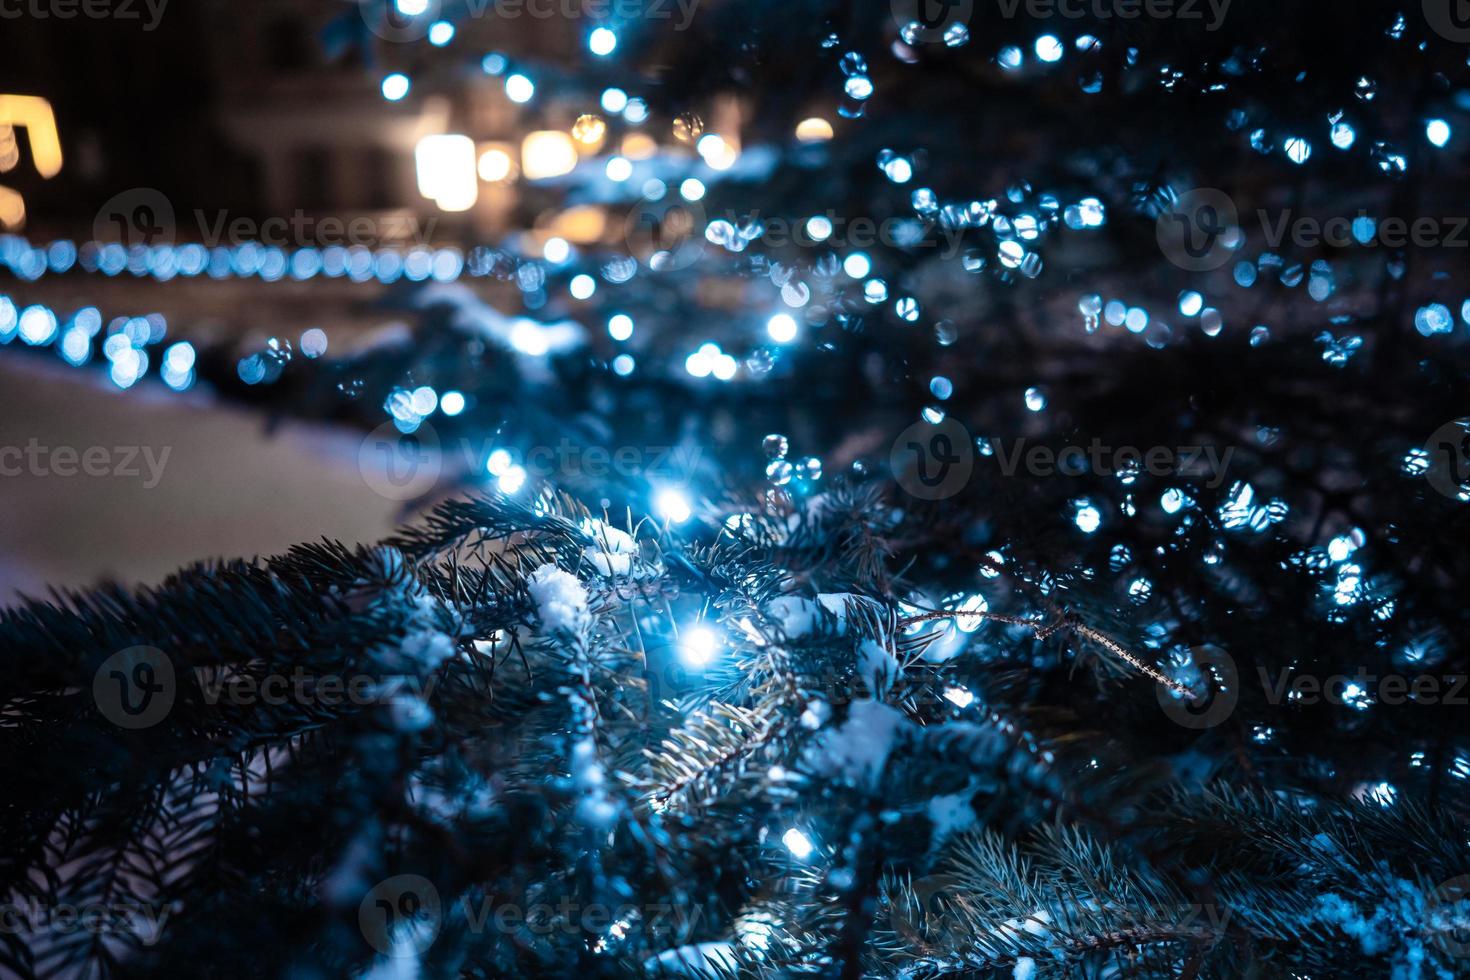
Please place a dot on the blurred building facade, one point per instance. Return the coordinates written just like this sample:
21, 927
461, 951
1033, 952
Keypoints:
276, 109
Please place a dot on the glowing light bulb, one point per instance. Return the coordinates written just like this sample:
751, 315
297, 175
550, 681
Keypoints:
511, 480
602, 42
447, 171
813, 130
614, 100
697, 647
959, 697
782, 328
673, 506
452, 403
495, 165
799, 844
519, 88
499, 462
619, 169
396, 86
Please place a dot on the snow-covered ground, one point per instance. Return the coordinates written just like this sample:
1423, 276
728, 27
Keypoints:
187, 479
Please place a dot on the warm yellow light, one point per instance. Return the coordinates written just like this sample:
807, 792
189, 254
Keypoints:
446, 171
495, 164
639, 146
547, 153
583, 224
814, 130
9, 151
12, 209
34, 113
589, 130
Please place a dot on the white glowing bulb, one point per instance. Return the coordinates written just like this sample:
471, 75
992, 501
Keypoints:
619, 169
673, 506
582, 286
782, 328
717, 152
697, 646
452, 403
799, 844
499, 462
519, 88
528, 338
614, 100
699, 364
448, 171
602, 42
396, 86
512, 480
959, 697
